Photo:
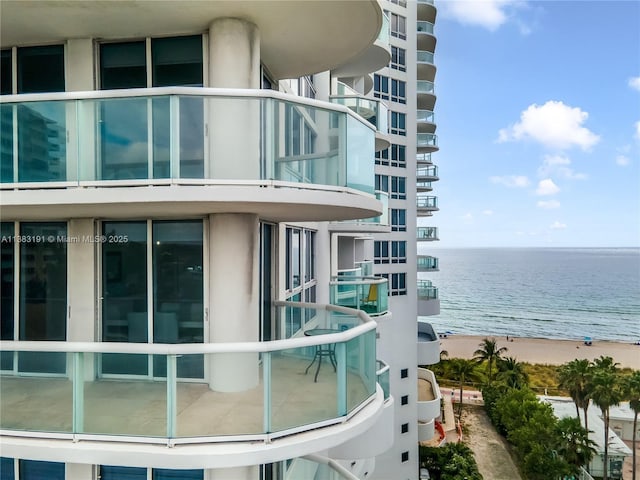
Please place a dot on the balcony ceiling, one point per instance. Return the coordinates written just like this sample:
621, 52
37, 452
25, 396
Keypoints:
297, 37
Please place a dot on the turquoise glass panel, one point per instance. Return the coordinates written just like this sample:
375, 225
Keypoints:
361, 369
7, 143
360, 154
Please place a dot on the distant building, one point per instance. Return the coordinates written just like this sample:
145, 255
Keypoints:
618, 451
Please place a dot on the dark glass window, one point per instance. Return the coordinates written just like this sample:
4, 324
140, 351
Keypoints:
109, 472
6, 468
123, 65
177, 61
404, 400
7, 288
41, 69
36, 470
405, 456
6, 72
404, 428
404, 373
164, 474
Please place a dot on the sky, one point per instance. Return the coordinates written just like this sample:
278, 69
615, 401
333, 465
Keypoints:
538, 116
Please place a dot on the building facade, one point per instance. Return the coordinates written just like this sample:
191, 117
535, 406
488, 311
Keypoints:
208, 239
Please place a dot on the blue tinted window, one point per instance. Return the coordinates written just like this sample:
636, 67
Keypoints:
6, 468
110, 472
162, 474
36, 470
41, 69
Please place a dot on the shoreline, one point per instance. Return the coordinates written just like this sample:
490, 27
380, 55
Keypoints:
545, 350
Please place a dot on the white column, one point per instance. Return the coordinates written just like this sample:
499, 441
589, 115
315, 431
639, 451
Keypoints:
78, 471
234, 123
234, 294
81, 275
79, 76
239, 473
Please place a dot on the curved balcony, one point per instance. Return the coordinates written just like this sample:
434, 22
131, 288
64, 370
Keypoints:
426, 205
426, 143
427, 263
426, 95
426, 431
266, 420
426, 10
247, 147
428, 345
376, 56
428, 301
373, 111
427, 174
319, 468
369, 294
426, 39
378, 224
425, 65
308, 46
424, 159
427, 234
429, 396
426, 122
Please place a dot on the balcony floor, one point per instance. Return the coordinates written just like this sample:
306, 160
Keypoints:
138, 407
425, 391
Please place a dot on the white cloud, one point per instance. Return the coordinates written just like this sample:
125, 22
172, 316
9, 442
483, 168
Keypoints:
547, 187
637, 126
513, 181
548, 204
622, 161
487, 212
554, 125
634, 82
489, 14
558, 165
558, 226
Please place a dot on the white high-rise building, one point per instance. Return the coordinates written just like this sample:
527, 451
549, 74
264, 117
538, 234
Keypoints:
209, 239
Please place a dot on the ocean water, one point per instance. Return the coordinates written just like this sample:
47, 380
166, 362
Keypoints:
563, 293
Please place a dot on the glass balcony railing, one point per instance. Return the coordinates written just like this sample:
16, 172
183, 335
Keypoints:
160, 134
427, 172
423, 201
382, 220
373, 111
424, 158
426, 263
425, 86
426, 290
384, 36
383, 378
425, 27
369, 294
427, 140
427, 233
277, 400
426, 116
366, 266
425, 57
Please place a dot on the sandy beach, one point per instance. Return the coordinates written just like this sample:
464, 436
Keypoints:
545, 351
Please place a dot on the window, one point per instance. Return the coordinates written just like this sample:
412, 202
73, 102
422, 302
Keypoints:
382, 183
405, 457
398, 123
398, 284
404, 428
31, 470
402, 3
398, 156
6, 80
399, 188
146, 122
404, 373
381, 86
398, 59
300, 281
404, 400
382, 157
398, 26
398, 220
398, 91
109, 472
398, 251
33, 61
175, 311
381, 251
41, 292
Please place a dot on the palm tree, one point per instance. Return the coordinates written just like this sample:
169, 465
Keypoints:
606, 392
463, 370
632, 392
490, 352
574, 377
512, 373
576, 447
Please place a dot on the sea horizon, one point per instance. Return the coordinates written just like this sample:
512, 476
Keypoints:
538, 292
